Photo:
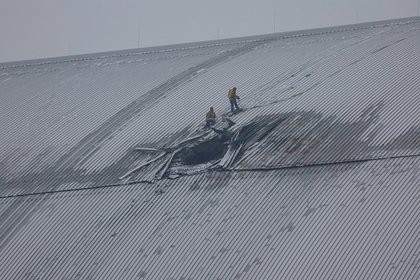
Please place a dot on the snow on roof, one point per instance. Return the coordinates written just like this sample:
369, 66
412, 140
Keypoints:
107, 171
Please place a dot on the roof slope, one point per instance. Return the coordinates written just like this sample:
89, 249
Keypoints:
107, 171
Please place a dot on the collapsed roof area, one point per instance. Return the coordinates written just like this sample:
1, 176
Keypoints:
107, 170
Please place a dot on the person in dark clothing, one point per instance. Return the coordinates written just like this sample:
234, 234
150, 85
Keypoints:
210, 117
232, 99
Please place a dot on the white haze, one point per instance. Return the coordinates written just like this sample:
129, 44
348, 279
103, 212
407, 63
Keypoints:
48, 28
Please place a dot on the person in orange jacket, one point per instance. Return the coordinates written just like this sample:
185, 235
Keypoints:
232, 99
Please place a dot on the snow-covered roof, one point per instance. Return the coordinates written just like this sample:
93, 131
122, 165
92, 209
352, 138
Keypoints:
107, 171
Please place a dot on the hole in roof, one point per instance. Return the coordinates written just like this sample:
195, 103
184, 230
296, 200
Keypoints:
213, 149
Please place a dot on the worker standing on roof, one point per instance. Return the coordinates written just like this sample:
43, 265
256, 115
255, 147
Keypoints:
232, 99
210, 117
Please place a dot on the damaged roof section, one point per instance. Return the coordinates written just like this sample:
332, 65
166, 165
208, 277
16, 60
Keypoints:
277, 141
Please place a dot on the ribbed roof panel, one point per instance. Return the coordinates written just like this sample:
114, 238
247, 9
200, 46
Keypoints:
348, 221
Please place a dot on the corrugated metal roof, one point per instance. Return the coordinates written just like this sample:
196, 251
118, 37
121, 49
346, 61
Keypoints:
349, 221
106, 171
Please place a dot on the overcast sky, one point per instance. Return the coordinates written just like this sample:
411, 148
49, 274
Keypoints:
49, 28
